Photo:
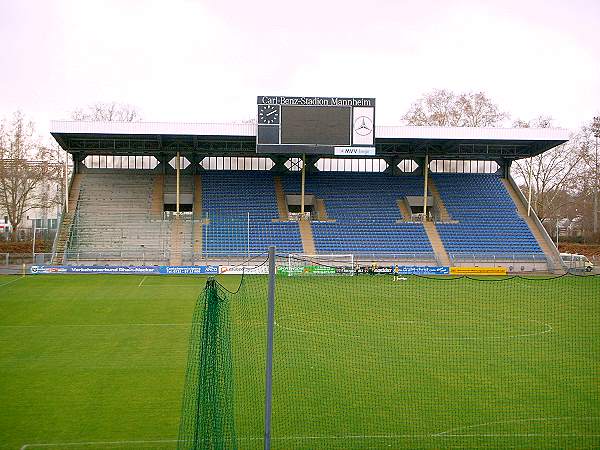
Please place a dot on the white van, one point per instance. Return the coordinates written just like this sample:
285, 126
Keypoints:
576, 262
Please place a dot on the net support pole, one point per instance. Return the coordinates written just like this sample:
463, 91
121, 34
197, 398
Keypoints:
302, 187
177, 183
426, 176
269, 359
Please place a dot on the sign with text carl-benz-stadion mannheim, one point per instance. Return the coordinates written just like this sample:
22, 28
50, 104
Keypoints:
316, 125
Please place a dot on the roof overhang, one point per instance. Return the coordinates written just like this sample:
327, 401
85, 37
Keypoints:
239, 139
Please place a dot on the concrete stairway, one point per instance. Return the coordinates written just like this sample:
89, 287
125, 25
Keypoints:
197, 227
404, 210
308, 243
158, 189
321, 210
550, 252
197, 197
67, 221
436, 243
176, 242
280, 197
437, 200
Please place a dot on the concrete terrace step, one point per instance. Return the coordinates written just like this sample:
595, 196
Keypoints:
550, 253
436, 243
308, 242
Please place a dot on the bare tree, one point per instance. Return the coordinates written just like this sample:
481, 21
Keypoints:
589, 181
107, 112
540, 121
551, 176
444, 108
26, 169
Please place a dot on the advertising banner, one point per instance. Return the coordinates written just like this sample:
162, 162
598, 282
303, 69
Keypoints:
127, 270
144, 270
422, 270
247, 270
478, 270
189, 270
306, 270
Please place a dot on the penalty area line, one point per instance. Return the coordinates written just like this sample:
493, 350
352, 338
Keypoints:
301, 438
71, 444
12, 281
143, 279
257, 438
102, 325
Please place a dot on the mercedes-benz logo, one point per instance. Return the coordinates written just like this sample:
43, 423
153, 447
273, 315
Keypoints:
363, 125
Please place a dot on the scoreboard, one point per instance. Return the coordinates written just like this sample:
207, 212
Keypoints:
315, 125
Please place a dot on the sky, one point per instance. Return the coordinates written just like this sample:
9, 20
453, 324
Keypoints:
206, 61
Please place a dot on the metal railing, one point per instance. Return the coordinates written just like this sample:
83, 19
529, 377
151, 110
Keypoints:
17, 259
515, 262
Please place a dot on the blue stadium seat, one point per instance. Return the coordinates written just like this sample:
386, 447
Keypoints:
365, 212
488, 218
227, 199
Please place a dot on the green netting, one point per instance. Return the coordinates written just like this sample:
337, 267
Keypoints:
224, 387
369, 362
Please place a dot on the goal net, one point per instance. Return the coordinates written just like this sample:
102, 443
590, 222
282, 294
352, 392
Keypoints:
300, 264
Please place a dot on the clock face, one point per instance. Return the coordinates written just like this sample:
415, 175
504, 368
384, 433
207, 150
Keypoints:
268, 114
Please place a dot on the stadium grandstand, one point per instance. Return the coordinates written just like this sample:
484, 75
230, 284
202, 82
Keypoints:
183, 193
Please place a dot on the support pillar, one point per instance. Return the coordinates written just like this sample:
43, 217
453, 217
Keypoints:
177, 170
426, 177
310, 164
279, 166
392, 163
303, 182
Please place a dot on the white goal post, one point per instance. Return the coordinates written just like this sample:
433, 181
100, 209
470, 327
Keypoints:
302, 264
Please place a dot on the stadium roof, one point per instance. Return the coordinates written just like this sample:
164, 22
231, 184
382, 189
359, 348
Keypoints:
239, 139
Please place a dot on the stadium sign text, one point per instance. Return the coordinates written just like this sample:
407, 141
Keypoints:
314, 101
354, 151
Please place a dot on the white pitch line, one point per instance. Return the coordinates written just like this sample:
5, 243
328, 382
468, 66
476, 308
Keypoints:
64, 444
110, 325
142, 282
518, 435
12, 281
100, 325
426, 338
501, 422
303, 438
257, 438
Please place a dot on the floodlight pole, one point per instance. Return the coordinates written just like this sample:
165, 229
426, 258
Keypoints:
269, 368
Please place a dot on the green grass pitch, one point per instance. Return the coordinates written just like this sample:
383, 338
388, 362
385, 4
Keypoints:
98, 361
